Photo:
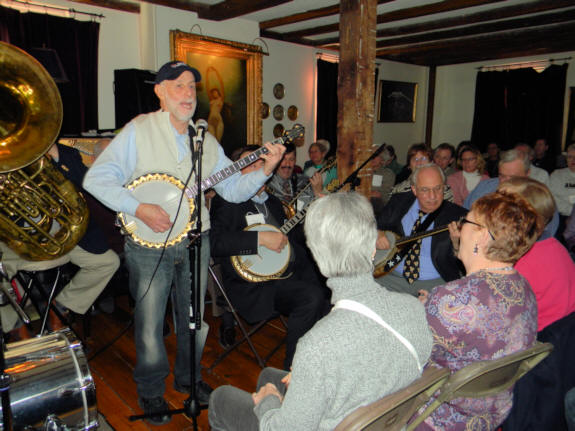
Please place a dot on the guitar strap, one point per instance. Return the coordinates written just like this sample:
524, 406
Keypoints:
391, 263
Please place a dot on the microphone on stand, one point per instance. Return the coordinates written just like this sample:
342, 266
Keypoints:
201, 127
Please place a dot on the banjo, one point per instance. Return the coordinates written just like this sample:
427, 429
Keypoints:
386, 260
178, 200
267, 264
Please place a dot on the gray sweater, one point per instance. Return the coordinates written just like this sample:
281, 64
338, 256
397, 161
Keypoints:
347, 360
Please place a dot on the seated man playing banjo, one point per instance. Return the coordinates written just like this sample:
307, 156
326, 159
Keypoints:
294, 190
295, 292
425, 262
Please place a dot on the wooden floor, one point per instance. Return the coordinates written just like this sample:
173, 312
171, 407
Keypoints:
112, 368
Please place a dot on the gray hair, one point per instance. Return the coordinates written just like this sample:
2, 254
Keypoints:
413, 177
322, 144
341, 233
570, 147
512, 155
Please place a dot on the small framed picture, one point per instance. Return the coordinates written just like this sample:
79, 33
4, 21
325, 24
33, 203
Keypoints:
397, 101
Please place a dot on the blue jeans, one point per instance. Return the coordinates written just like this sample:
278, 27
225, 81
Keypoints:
232, 409
152, 366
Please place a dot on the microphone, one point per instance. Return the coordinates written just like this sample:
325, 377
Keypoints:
201, 127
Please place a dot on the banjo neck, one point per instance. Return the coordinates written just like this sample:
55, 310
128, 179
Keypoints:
237, 166
292, 222
407, 239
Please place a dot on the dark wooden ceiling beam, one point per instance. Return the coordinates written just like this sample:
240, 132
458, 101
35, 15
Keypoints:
478, 17
391, 16
431, 9
307, 15
112, 4
512, 24
521, 43
235, 8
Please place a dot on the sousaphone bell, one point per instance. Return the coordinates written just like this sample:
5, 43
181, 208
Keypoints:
42, 215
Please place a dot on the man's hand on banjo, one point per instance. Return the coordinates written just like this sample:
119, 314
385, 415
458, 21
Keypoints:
272, 157
275, 241
382, 242
154, 217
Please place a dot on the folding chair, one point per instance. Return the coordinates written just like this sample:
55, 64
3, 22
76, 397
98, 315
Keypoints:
485, 378
392, 412
246, 333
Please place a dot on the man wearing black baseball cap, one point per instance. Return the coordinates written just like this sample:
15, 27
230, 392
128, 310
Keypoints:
159, 142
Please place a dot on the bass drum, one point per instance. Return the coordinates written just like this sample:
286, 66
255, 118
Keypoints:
50, 379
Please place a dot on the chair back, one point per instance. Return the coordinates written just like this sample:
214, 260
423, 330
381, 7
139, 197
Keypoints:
392, 412
485, 378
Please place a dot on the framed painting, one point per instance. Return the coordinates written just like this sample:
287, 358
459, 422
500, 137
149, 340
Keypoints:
397, 101
230, 92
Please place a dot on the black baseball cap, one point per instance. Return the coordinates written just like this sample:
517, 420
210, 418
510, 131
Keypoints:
173, 69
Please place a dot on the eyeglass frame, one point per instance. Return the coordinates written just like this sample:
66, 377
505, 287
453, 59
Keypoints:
463, 220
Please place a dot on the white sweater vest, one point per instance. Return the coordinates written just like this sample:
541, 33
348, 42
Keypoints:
158, 153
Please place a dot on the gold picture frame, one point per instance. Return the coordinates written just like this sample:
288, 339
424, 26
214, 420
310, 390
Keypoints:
232, 69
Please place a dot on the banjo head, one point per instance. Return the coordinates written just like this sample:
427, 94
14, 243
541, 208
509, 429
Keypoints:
266, 264
166, 191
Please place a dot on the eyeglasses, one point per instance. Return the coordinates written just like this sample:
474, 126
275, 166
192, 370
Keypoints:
469, 159
427, 190
463, 220
421, 159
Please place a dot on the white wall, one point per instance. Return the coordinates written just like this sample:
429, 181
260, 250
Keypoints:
455, 97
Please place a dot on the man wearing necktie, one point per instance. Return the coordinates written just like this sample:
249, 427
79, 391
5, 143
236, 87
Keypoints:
429, 261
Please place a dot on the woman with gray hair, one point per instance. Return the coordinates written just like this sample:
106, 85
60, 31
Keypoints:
373, 342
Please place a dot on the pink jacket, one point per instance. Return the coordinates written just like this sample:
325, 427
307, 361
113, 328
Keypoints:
457, 183
550, 271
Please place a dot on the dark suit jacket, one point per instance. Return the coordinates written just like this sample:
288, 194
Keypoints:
448, 266
254, 301
71, 165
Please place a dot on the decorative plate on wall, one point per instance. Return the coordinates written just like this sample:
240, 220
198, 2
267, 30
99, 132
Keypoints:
279, 112
279, 91
292, 112
278, 130
265, 110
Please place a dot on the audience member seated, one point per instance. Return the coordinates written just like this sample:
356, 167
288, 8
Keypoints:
96, 261
536, 173
428, 262
569, 233
489, 313
300, 296
373, 343
444, 157
472, 170
542, 158
317, 154
394, 165
562, 184
382, 180
417, 155
547, 266
492, 159
285, 184
513, 163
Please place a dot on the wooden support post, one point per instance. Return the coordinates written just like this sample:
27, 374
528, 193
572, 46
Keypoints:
356, 88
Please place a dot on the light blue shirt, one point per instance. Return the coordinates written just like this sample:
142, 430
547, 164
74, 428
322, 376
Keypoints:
489, 186
114, 167
426, 269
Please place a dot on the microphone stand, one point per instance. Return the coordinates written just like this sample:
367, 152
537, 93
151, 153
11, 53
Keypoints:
352, 179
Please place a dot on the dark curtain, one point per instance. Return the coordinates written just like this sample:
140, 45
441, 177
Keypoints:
519, 106
76, 43
326, 127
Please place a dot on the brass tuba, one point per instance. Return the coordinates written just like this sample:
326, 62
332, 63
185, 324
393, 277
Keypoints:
42, 215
